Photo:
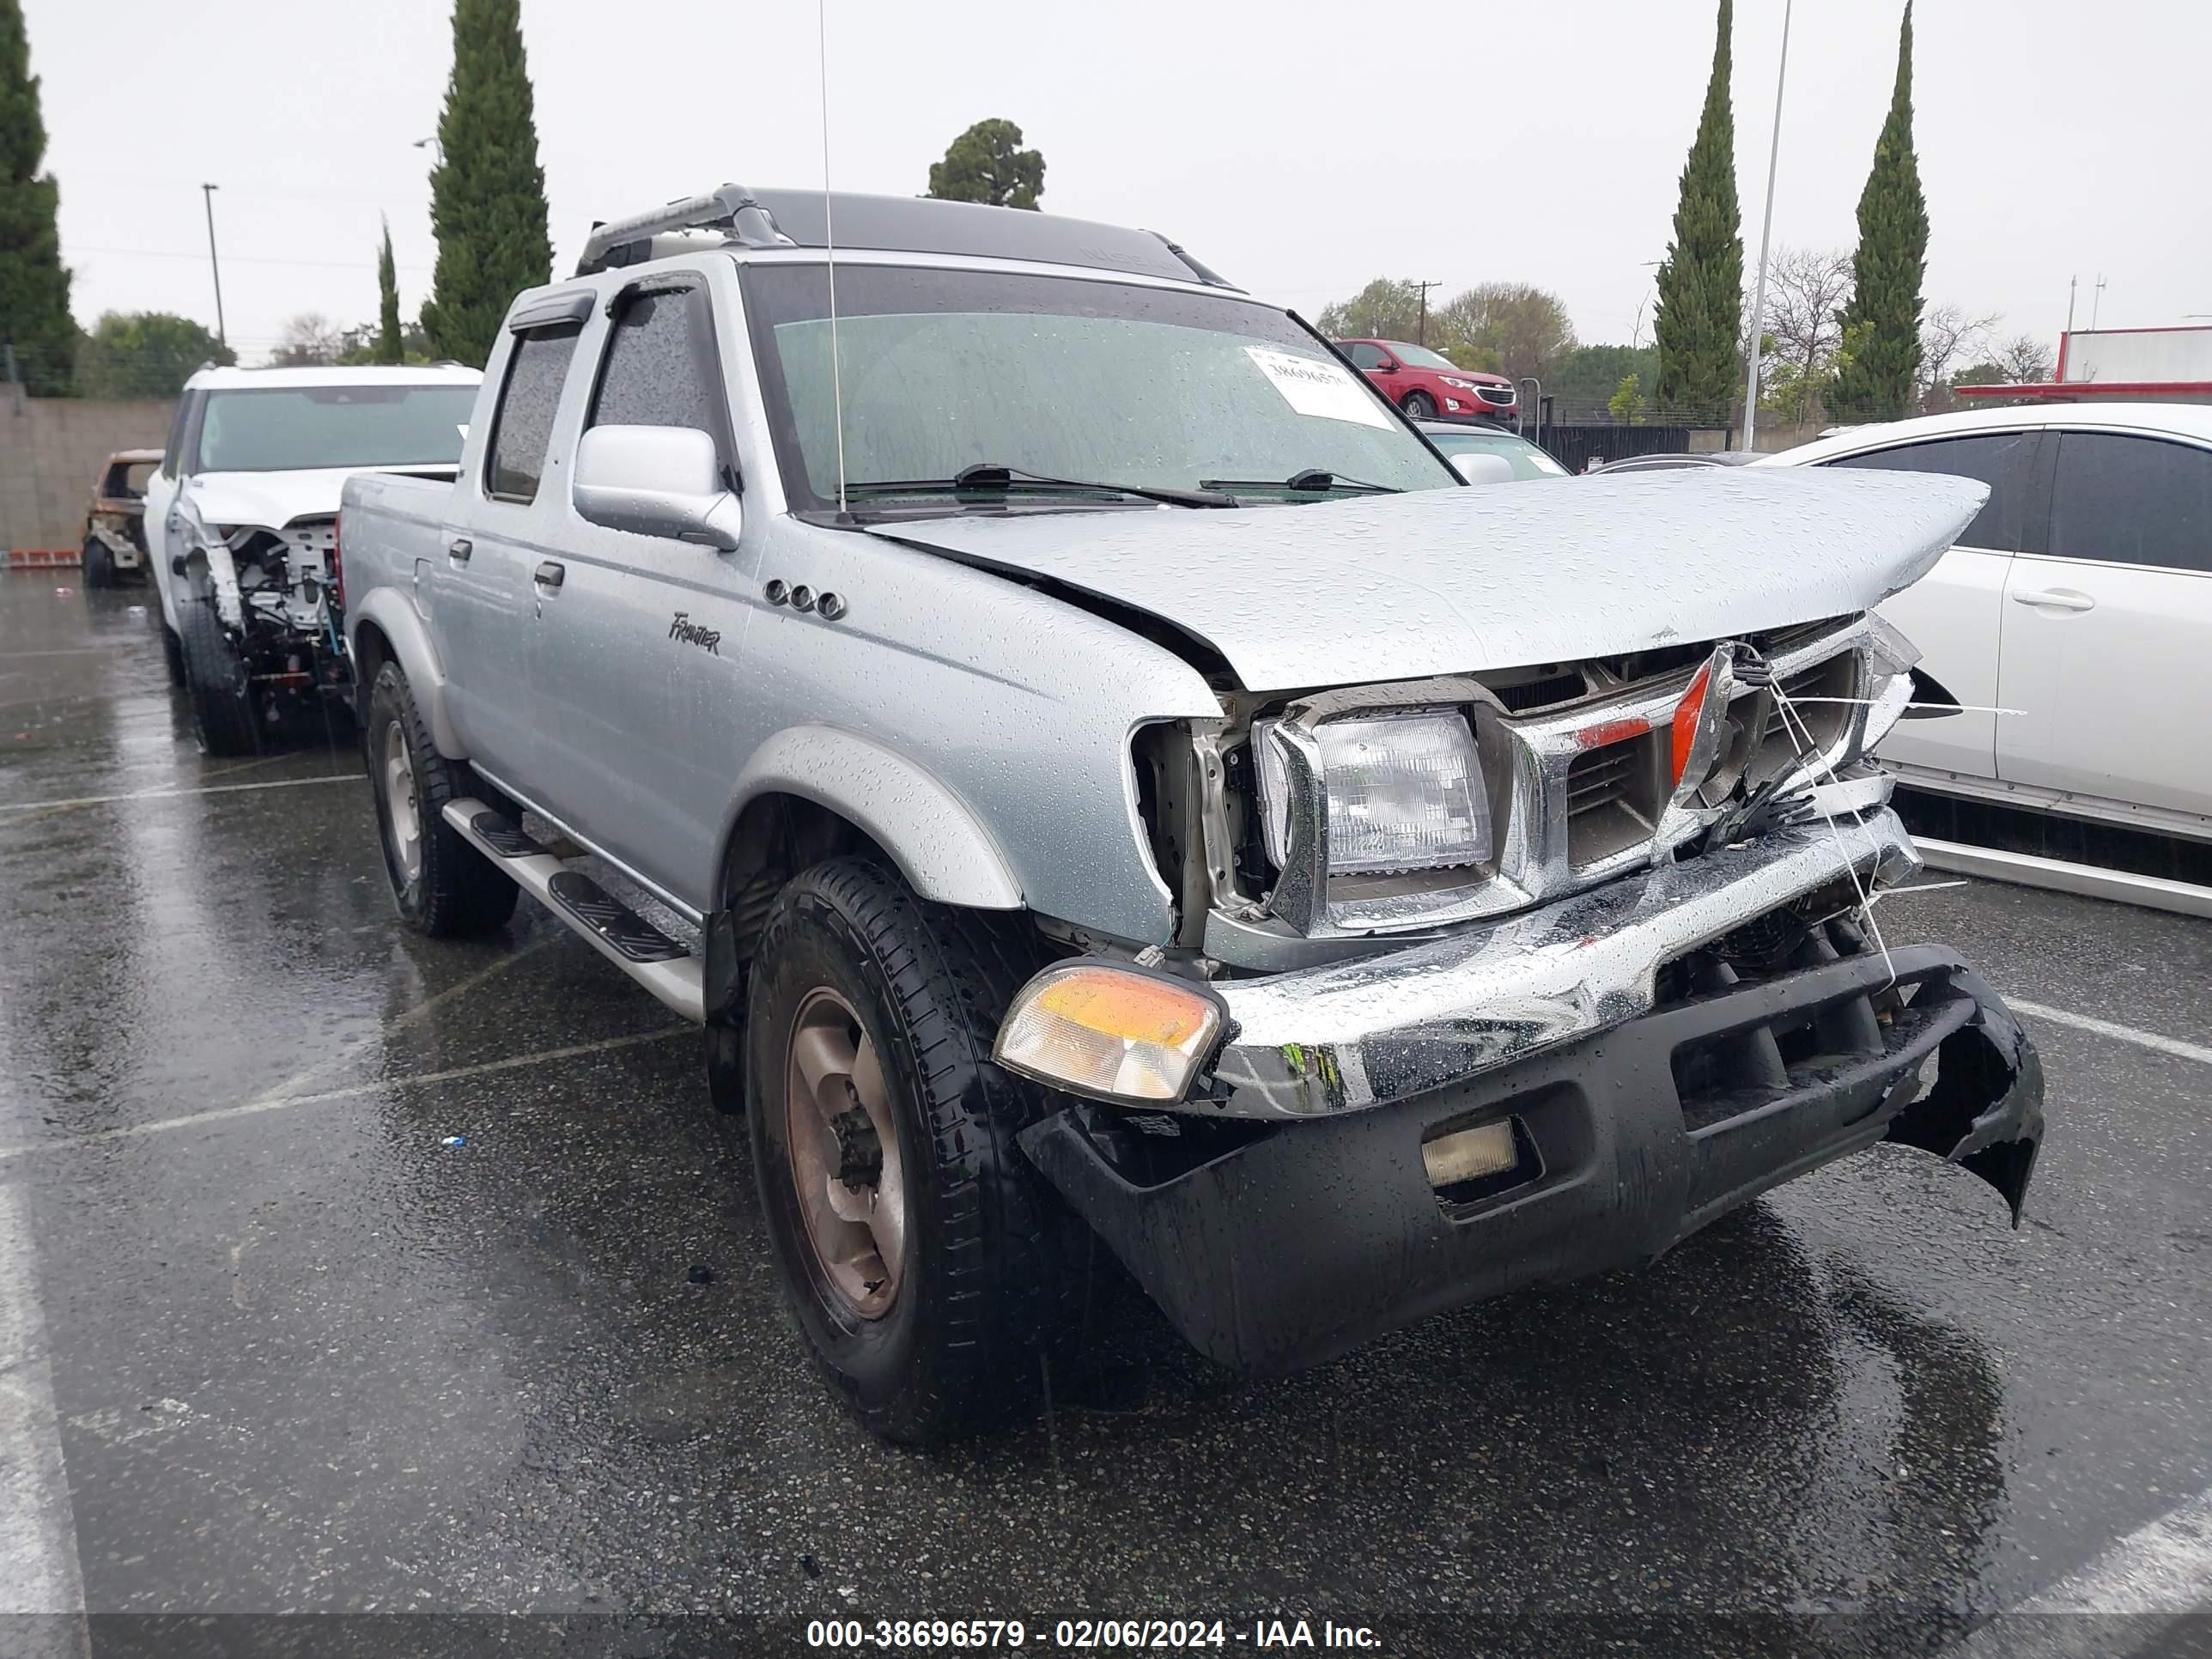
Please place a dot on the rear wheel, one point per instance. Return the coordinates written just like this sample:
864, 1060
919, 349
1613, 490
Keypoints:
98, 563
1419, 406
172, 655
215, 681
443, 885
925, 1260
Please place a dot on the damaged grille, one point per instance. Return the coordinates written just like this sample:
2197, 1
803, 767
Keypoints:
1611, 799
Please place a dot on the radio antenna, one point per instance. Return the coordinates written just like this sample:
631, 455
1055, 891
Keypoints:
829, 243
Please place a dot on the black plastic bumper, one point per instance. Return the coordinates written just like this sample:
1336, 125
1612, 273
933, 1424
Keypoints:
1313, 1236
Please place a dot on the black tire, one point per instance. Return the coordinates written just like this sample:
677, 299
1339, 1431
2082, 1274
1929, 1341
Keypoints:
98, 564
1419, 406
172, 655
447, 889
215, 681
992, 1257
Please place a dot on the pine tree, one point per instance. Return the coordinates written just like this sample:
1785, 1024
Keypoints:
34, 285
389, 348
487, 192
1700, 317
986, 163
1877, 382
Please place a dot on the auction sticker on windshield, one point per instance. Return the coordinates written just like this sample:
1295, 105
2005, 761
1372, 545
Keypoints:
1312, 387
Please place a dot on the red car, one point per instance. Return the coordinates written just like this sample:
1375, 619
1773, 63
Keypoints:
1426, 384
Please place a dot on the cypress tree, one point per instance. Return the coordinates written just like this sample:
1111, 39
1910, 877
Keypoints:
34, 285
1700, 317
1882, 321
389, 347
487, 192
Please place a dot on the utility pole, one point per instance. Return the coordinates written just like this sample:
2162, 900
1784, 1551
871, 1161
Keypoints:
2096, 301
221, 334
1421, 335
1765, 231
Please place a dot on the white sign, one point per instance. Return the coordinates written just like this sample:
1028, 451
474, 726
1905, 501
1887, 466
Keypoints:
1312, 386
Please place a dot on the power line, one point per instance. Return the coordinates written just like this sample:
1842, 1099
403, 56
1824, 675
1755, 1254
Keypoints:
240, 258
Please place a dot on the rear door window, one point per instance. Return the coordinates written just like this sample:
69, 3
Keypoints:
522, 425
2005, 461
2125, 499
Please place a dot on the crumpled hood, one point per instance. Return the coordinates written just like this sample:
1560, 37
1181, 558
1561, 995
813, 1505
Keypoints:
1443, 581
273, 500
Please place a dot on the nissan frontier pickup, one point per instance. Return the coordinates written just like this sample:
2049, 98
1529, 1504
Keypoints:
1102, 785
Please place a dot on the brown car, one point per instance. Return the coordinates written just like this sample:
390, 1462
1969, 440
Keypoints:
115, 529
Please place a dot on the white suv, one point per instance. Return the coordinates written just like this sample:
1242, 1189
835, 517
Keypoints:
241, 525
2079, 598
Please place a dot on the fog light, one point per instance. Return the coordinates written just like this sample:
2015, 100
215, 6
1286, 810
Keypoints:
1112, 1033
1470, 1154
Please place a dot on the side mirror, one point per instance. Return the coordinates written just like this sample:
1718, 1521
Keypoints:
656, 481
1384, 369
1478, 468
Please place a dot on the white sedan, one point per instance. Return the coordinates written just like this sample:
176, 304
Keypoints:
2081, 598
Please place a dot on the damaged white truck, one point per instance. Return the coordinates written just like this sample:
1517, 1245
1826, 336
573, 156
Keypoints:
241, 529
1176, 820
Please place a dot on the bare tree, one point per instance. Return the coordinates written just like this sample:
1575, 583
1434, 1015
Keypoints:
2024, 359
1806, 288
1949, 335
310, 340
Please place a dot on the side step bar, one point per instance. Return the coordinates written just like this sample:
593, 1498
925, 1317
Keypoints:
2121, 886
634, 945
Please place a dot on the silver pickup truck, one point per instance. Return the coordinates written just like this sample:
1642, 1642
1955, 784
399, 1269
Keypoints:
1104, 785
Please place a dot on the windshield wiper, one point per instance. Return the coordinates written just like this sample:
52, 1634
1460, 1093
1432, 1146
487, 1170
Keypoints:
992, 477
1316, 480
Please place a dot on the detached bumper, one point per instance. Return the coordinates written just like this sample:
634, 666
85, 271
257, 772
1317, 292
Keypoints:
1306, 1238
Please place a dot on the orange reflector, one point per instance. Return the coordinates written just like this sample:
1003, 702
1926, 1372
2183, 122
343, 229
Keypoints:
1686, 719
1606, 732
1109, 1031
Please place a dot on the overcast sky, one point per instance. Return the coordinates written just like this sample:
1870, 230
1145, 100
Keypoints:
1298, 149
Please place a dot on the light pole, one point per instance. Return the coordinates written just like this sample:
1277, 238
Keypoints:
1765, 231
215, 266
437, 150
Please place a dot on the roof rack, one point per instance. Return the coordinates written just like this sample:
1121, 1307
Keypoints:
734, 207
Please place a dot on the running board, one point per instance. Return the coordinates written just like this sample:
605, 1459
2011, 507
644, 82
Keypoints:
617, 932
2092, 881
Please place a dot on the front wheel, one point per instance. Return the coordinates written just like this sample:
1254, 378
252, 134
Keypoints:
443, 886
1419, 406
925, 1260
216, 682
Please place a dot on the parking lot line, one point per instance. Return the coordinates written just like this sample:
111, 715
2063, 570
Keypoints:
273, 1102
40, 1583
2165, 1045
166, 794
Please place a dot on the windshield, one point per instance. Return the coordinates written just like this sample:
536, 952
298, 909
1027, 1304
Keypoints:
1422, 357
288, 429
1060, 377
1526, 459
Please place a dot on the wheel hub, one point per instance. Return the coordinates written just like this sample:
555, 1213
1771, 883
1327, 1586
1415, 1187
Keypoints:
844, 1148
403, 811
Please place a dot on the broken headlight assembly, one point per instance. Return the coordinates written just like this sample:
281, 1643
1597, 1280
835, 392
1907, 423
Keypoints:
1400, 792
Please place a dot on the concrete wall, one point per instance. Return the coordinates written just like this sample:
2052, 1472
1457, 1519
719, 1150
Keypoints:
51, 450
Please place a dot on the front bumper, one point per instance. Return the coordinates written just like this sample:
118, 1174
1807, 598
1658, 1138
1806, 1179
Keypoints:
1304, 1239
1373, 1029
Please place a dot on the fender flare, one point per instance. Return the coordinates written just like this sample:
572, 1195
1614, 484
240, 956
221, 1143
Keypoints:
940, 846
395, 617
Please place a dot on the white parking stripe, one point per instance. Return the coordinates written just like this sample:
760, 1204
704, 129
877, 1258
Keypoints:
2119, 1602
169, 794
2165, 1045
278, 1104
39, 1580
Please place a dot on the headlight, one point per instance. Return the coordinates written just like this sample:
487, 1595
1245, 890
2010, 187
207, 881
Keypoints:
1111, 1032
1404, 792
1464, 386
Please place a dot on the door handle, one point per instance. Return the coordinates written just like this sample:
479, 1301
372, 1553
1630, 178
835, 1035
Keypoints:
459, 548
550, 572
2058, 598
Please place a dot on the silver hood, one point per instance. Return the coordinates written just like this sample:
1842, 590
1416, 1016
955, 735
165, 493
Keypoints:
273, 500
1443, 581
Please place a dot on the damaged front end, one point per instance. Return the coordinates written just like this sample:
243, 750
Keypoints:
275, 600
1663, 990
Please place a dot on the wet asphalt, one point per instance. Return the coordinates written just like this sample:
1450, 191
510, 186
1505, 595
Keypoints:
307, 1358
